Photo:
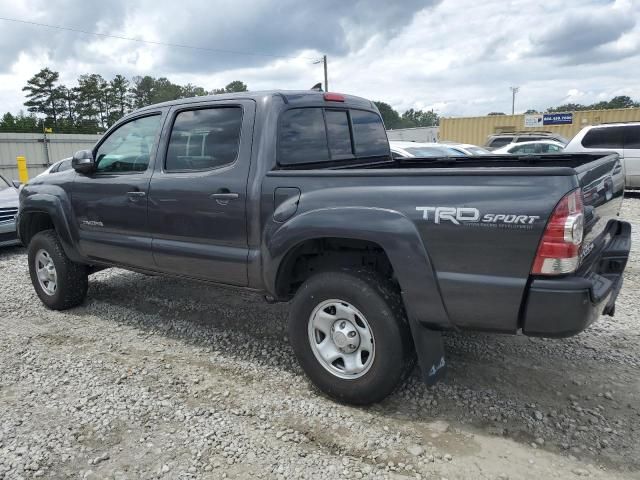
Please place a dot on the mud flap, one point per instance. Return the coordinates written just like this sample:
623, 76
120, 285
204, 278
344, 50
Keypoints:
430, 350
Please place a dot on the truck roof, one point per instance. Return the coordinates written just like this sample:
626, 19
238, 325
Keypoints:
288, 96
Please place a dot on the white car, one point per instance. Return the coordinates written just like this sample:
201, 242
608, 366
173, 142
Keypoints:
530, 148
467, 148
59, 166
417, 149
622, 138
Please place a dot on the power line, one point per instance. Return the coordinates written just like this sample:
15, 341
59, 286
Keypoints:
150, 42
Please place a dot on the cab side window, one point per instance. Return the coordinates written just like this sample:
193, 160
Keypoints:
204, 139
128, 148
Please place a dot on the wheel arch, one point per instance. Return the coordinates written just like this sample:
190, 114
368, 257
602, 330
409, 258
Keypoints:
389, 233
40, 212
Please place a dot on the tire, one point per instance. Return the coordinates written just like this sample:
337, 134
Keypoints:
64, 283
365, 300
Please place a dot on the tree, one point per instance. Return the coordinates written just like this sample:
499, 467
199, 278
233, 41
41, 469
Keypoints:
43, 95
163, 91
142, 91
93, 102
567, 107
119, 96
492, 114
390, 117
235, 86
530, 111
190, 90
418, 118
622, 101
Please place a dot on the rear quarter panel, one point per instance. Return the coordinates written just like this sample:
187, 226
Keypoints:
480, 270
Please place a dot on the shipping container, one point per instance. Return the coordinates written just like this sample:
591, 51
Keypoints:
475, 130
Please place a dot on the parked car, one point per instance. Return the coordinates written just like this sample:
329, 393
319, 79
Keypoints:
401, 149
296, 195
8, 211
466, 148
530, 148
498, 140
623, 138
59, 166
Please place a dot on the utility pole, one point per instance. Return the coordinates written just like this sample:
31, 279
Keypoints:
323, 60
514, 90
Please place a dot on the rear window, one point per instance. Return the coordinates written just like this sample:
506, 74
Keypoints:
315, 134
527, 138
500, 142
368, 133
632, 136
609, 137
338, 133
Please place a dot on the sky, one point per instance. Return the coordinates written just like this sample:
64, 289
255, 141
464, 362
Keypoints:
457, 57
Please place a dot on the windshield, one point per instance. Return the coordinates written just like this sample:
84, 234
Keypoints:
4, 183
434, 152
478, 151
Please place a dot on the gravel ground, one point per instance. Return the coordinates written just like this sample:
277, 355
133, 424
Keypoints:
158, 378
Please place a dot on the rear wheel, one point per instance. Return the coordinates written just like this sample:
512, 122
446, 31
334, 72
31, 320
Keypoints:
350, 335
59, 282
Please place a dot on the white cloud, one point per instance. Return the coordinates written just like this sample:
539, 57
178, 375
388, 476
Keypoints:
457, 57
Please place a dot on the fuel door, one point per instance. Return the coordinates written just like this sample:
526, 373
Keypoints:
285, 203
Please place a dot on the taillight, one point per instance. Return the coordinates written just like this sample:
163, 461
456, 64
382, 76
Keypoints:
559, 249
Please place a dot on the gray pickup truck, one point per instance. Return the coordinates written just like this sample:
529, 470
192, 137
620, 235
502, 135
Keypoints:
295, 194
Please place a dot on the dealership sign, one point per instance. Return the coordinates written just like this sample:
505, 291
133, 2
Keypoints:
532, 121
557, 119
539, 119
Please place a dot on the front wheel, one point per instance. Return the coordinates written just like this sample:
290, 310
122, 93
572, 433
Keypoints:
59, 282
350, 334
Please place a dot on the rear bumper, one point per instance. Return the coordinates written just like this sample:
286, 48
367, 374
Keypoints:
561, 307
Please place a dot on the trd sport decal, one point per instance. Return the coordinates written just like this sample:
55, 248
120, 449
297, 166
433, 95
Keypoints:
470, 216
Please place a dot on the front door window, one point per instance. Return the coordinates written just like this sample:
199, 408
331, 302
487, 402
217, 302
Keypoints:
128, 148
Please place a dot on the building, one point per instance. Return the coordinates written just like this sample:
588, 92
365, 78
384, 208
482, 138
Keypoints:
417, 134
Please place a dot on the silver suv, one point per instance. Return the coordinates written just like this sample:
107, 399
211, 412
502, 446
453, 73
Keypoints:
498, 140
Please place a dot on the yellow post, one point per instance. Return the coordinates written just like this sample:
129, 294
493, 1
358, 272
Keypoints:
23, 174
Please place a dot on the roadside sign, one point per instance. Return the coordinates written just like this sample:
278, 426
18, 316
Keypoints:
557, 119
533, 120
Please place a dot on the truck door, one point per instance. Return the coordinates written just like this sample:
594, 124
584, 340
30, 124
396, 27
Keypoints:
198, 192
110, 204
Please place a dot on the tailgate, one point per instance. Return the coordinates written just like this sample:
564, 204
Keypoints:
602, 183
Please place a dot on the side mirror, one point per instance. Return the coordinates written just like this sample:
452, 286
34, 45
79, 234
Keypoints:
83, 161
16, 183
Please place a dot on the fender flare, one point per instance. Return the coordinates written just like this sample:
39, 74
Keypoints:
395, 233
57, 209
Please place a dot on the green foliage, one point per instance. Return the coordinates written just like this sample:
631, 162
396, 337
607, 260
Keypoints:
409, 119
94, 103
390, 117
621, 101
44, 95
235, 86
492, 114
418, 118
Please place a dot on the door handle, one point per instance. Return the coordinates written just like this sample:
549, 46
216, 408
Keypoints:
135, 196
223, 196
